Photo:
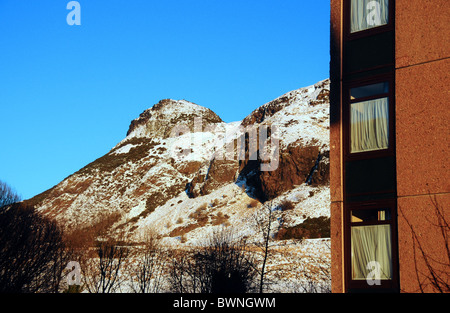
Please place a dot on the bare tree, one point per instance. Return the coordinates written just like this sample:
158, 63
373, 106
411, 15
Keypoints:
147, 270
102, 272
182, 276
229, 264
264, 220
7, 195
33, 254
224, 265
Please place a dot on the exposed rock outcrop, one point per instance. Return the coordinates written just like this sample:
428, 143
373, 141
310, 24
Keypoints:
296, 165
214, 175
265, 111
160, 120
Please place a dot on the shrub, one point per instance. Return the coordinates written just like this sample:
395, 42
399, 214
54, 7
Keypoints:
286, 205
182, 230
215, 202
219, 219
200, 214
316, 227
223, 266
253, 203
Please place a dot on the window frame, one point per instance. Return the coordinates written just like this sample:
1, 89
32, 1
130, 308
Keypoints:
347, 117
362, 285
368, 32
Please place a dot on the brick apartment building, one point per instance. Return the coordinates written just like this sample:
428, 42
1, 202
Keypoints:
390, 116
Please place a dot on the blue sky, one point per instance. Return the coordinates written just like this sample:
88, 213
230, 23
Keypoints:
69, 93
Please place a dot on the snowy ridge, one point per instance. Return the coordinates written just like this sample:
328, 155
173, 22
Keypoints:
298, 111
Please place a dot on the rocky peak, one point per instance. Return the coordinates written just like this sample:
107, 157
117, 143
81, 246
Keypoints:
309, 96
159, 120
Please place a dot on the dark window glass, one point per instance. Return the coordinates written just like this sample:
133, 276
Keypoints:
370, 215
369, 90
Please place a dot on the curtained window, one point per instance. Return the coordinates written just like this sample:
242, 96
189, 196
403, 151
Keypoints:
369, 125
369, 117
371, 243
366, 14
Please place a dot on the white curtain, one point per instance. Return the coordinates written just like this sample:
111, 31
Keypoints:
369, 125
371, 244
365, 14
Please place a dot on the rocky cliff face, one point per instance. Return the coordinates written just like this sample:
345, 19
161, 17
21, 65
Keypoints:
304, 152
169, 173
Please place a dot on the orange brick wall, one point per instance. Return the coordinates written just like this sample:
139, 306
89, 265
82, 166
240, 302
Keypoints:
422, 137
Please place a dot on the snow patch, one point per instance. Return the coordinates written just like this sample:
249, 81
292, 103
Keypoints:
124, 149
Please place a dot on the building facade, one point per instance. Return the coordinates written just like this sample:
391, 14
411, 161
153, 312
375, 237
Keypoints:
389, 122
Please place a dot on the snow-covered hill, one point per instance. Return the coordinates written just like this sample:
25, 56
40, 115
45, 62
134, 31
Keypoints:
171, 173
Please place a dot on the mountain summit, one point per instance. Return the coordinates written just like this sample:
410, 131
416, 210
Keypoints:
159, 120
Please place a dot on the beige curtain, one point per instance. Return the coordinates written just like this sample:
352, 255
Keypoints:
369, 125
368, 244
365, 14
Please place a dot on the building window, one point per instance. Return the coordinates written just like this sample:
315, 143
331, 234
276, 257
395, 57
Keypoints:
368, 141
371, 255
371, 248
367, 14
369, 117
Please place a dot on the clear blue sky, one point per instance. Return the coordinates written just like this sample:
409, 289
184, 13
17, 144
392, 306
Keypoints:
69, 93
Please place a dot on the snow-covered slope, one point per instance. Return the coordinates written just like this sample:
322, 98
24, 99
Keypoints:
166, 173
